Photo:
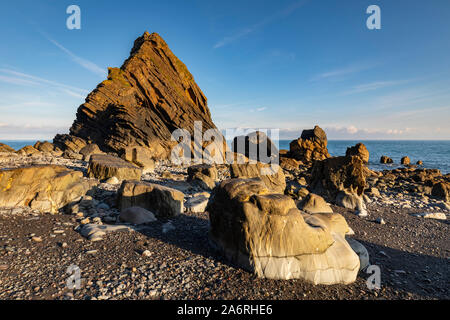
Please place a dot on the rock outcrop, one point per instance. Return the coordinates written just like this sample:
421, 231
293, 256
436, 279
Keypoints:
359, 150
103, 166
315, 204
163, 201
141, 103
46, 188
386, 160
405, 160
271, 175
312, 145
204, 175
6, 148
266, 234
336, 174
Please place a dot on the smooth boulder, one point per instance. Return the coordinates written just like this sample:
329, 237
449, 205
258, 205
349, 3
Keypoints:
46, 188
163, 201
265, 233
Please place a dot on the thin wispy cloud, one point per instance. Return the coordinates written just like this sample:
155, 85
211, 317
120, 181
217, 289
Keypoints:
250, 29
19, 78
88, 65
344, 71
374, 86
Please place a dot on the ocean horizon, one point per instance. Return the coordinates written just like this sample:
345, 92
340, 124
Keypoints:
435, 154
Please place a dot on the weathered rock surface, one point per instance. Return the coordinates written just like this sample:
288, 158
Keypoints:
102, 166
6, 148
197, 203
405, 160
335, 174
137, 215
46, 188
386, 159
68, 142
312, 145
45, 146
359, 150
441, 190
162, 201
204, 175
140, 156
361, 251
271, 175
266, 233
89, 150
315, 204
28, 151
143, 102
255, 146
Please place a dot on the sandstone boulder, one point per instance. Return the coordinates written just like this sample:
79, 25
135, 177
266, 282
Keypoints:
45, 146
140, 156
163, 201
266, 234
312, 145
102, 166
315, 204
46, 188
359, 150
89, 150
272, 175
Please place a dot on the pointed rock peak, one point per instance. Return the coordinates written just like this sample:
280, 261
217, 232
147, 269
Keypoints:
154, 38
143, 102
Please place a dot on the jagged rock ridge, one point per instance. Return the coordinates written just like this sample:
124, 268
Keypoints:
143, 102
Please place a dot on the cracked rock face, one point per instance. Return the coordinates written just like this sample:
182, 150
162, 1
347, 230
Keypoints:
143, 102
266, 233
46, 188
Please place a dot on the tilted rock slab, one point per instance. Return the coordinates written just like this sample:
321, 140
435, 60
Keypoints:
162, 201
142, 103
46, 188
102, 166
266, 234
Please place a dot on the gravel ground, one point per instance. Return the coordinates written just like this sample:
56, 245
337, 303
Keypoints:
413, 254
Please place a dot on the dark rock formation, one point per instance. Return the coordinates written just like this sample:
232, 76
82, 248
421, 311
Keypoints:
405, 160
312, 145
386, 159
142, 103
336, 174
255, 146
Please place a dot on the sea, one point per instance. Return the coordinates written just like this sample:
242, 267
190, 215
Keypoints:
435, 154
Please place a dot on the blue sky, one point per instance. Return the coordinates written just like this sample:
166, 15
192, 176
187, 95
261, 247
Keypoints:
262, 64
